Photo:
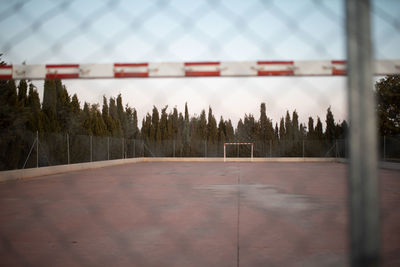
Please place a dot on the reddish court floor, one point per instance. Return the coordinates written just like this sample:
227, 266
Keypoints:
188, 214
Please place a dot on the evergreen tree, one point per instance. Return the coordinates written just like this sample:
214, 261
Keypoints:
240, 131
276, 133
318, 130
221, 136
132, 122
229, 132
164, 131
49, 107
122, 116
76, 113
310, 134
330, 126
33, 103
86, 120
282, 130
212, 132
221, 131
295, 126
116, 126
202, 126
97, 125
22, 91
263, 131
288, 127
186, 113
174, 124
388, 106
105, 113
155, 134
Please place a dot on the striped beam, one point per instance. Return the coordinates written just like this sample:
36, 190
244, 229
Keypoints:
190, 69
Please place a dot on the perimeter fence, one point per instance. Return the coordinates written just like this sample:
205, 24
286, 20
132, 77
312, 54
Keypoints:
31, 150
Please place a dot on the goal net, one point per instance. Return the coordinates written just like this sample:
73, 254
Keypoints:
239, 144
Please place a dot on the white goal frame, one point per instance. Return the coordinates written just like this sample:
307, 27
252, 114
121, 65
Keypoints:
239, 143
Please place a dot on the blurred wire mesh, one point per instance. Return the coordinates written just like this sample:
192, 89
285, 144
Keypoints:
43, 32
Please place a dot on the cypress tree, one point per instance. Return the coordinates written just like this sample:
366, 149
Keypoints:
230, 132
288, 127
202, 126
310, 134
76, 113
276, 133
164, 131
155, 134
263, 123
33, 103
212, 133
318, 130
330, 126
49, 107
282, 130
186, 113
22, 91
121, 115
295, 126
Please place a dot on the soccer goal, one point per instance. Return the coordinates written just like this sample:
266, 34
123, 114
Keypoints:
239, 144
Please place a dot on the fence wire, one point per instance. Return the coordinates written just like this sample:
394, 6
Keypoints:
44, 124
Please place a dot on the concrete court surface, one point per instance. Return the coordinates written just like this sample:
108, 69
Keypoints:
189, 214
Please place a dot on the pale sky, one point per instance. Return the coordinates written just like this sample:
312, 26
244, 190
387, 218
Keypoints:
94, 31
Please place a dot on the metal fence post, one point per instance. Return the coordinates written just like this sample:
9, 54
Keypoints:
122, 148
37, 149
91, 148
336, 149
134, 148
270, 148
68, 149
205, 148
384, 148
363, 182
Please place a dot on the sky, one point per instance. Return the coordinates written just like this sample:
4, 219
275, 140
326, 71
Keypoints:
95, 31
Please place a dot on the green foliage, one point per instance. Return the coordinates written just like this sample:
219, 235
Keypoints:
388, 106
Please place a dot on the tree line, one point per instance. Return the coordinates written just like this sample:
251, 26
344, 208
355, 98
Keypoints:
169, 133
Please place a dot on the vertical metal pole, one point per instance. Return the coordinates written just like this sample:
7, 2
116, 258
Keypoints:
134, 148
270, 148
68, 149
363, 182
224, 152
384, 148
108, 148
336, 149
122, 148
37, 149
91, 149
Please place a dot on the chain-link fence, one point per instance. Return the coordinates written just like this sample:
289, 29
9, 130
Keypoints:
283, 67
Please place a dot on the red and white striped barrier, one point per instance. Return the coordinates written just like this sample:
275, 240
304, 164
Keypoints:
6, 72
202, 69
189, 69
62, 71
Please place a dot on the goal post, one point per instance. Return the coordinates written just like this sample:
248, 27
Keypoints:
239, 144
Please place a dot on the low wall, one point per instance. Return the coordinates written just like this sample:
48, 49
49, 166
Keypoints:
43, 171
